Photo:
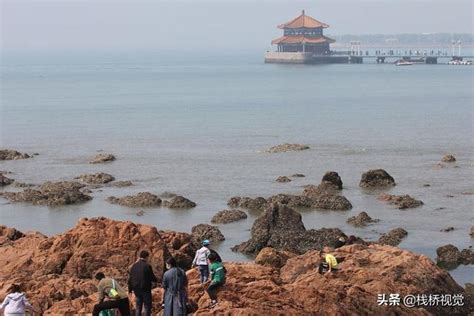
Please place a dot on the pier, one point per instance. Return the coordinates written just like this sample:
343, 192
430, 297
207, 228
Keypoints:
303, 42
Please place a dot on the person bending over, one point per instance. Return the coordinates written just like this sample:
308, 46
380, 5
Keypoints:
116, 296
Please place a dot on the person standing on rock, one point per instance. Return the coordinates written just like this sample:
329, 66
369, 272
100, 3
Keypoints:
217, 279
200, 260
15, 303
115, 294
140, 283
175, 285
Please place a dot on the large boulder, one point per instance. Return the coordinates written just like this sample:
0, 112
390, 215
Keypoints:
376, 179
57, 272
331, 202
287, 147
206, 231
393, 237
101, 158
228, 216
297, 289
179, 201
181, 246
142, 199
8, 234
96, 178
282, 228
400, 201
5, 180
51, 194
8, 154
361, 220
450, 256
332, 177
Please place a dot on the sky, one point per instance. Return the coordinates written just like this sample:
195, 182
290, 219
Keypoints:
197, 25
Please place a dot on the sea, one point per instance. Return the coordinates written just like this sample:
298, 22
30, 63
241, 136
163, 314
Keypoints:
198, 124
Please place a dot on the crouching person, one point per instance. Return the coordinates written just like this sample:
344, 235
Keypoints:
217, 278
116, 296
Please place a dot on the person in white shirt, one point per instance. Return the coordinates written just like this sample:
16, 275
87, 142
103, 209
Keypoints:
200, 260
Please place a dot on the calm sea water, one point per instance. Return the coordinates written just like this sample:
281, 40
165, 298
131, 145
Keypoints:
195, 125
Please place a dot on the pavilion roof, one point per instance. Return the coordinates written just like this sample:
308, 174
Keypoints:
295, 39
303, 21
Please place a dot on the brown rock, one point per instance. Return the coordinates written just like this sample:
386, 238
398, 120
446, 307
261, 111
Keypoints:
256, 204
228, 216
23, 185
472, 231
8, 154
283, 179
142, 199
181, 247
272, 257
281, 227
393, 237
101, 158
448, 158
179, 202
121, 184
286, 148
96, 178
376, 179
51, 194
206, 231
5, 181
332, 177
331, 202
400, 201
361, 220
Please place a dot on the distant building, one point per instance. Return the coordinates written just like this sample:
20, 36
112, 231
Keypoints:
303, 34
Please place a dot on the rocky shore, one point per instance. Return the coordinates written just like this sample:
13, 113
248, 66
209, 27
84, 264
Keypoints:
56, 272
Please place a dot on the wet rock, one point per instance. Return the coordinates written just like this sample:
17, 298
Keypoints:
332, 177
101, 158
400, 201
140, 213
286, 148
448, 158
51, 194
281, 227
121, 184
228, 216
331, 202
283, 179
393, 237
142, 199
272, 257
179, 202
298, 175
448, 254
361, 220
376, 179
254, 204
290, 200
206, 231
8, 154
447, 229
5, 181
96, 178
472, 231
167, 195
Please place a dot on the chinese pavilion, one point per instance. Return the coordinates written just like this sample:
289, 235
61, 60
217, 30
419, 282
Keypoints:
303, 34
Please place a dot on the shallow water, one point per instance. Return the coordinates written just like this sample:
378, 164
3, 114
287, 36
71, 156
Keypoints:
198, 125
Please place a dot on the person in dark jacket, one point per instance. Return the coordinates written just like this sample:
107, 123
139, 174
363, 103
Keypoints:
140, 283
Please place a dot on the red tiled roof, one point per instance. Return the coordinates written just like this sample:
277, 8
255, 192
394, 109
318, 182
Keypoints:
302, 39
303, 21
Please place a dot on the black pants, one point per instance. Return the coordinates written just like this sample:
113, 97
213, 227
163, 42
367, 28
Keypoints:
122, 305
212, 290
143, 299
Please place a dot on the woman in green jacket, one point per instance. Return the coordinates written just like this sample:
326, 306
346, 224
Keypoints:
217, 278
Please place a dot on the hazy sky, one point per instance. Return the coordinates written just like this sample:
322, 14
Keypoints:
90, 25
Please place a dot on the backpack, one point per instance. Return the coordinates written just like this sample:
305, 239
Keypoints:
113, 294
